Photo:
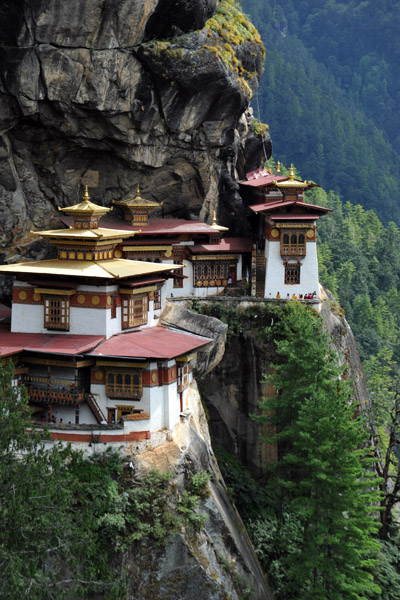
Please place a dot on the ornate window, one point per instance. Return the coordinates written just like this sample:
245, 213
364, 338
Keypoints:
157, 299
135, 310
293, 243
292, 274
122, 411
124, 384
211, 272
56, 312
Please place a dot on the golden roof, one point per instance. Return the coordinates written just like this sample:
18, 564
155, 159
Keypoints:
215, 225
137, 201
86, 207
106, 269
291, 182
86, 234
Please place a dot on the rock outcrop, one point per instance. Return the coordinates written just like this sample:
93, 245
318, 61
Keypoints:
182, 318
117, 93
344, 343
217, 563
233, 390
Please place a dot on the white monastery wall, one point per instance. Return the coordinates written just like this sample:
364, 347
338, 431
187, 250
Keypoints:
171, 405
156, 411
29, 318
275, 272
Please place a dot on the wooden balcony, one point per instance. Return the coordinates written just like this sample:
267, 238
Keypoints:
127, 392
293, 249
54, 391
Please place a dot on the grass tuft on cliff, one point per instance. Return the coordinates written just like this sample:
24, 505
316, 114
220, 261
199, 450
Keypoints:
228, 29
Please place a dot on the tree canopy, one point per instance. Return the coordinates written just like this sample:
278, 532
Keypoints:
312, 521
330, 94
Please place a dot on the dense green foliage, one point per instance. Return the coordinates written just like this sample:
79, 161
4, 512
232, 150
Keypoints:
312, 523
66, 521
321, 476
53, 512
359, 262
274, 536
330, 94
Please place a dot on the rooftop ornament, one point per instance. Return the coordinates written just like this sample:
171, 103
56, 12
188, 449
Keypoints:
291, 183
215, 225
86, 214
137, 201
137, 209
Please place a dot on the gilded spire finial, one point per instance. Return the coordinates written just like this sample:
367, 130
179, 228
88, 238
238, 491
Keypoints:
291, 171
278, 167
137, 191
215, 225
86, 193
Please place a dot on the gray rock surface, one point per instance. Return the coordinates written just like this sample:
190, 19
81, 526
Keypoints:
116, 93
233, 389
344, 343
217, 563
209, 327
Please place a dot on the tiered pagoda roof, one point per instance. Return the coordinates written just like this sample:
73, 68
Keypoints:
86, 250
283, 199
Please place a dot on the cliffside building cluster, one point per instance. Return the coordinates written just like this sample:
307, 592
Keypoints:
85, 334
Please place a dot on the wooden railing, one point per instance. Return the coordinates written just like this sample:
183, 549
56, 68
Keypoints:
293, 249
53, 390
91, 400
124, 391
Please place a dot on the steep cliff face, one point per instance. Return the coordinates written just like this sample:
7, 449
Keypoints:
233, 390
219, 561
121, 93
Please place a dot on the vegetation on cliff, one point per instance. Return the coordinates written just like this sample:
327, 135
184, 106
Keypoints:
228, 29
322, 476
67, 523
359, 263
312, 521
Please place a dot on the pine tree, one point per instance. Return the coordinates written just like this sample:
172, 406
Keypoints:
321, 476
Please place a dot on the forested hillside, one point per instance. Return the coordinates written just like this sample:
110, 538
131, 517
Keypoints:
359, 263
330, 94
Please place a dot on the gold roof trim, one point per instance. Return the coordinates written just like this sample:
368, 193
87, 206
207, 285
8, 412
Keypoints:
86, 207
196, 257
291, 182
137, 201
100, 233
55, 292
147, 248
187, 358
113, 268
122, 363
138, 290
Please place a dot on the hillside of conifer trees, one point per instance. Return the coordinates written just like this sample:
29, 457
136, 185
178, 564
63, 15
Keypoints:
330, 94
